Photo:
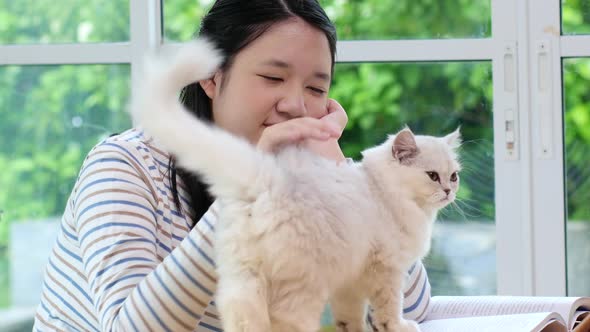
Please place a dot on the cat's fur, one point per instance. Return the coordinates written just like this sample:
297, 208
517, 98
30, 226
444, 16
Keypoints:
296, 230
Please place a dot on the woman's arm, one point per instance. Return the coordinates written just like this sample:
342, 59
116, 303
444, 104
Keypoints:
416, 293
116, 212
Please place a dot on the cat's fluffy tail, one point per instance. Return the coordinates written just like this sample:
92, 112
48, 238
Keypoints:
228, 164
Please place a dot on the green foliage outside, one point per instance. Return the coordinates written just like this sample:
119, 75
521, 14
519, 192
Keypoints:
50, 116
576, 77
575, 17
64, 21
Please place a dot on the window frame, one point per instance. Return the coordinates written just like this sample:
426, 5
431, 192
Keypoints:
530, 233
548, 171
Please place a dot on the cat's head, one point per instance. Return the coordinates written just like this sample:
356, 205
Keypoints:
425, 167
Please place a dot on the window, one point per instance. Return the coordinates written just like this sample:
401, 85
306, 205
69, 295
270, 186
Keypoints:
560, 107
182, 17
576, 75
50, 121
575, 16
64, 82
66, 21
375, 19
368, 19
51, 117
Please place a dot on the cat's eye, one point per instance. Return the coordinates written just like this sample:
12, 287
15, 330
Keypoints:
433, 176
454, 177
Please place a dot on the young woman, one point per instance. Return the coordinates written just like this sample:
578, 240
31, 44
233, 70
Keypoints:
134, 252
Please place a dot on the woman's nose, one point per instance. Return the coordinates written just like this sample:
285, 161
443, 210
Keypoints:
292, 105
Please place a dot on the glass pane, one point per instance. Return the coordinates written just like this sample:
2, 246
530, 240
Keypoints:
183, 17
576, 74
51, 117
434, 98
575, 17
367, 19
410, 19
64, 21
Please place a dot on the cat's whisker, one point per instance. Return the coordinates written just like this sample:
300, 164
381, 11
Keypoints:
467, 169
466, 202
473, 141
443, 213
469, 207
447, 212
454, 209
460, 210
466, 199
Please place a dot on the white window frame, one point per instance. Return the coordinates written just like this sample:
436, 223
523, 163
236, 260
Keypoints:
530, 222
548, 48
144, 26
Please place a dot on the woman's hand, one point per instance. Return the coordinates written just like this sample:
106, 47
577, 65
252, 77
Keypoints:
295, 131
318, 135
336, 114
329, 148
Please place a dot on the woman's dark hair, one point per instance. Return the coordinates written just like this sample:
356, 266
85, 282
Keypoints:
231, 25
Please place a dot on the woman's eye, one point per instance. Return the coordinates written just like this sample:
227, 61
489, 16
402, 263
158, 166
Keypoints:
271, 78
454, 177
433, 176
317, 90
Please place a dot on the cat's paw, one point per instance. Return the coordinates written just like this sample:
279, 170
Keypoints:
346, 326
399, 326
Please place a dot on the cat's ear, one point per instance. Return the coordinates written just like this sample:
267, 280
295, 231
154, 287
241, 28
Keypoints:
404, 146
210, 85
454, 139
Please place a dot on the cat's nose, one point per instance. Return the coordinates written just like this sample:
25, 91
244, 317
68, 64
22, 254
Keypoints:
447, 191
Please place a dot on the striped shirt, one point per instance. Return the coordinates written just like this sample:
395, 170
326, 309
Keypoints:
126, 259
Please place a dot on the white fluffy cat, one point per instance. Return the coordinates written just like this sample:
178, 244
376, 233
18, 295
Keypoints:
296, 230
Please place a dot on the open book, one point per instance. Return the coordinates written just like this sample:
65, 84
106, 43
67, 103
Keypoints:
505, 313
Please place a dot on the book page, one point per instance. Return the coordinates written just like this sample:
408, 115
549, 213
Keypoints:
534, 322
469, 306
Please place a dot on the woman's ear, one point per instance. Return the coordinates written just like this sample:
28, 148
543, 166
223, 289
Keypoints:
210, 85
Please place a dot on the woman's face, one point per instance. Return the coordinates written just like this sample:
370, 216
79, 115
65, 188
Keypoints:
283, 74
